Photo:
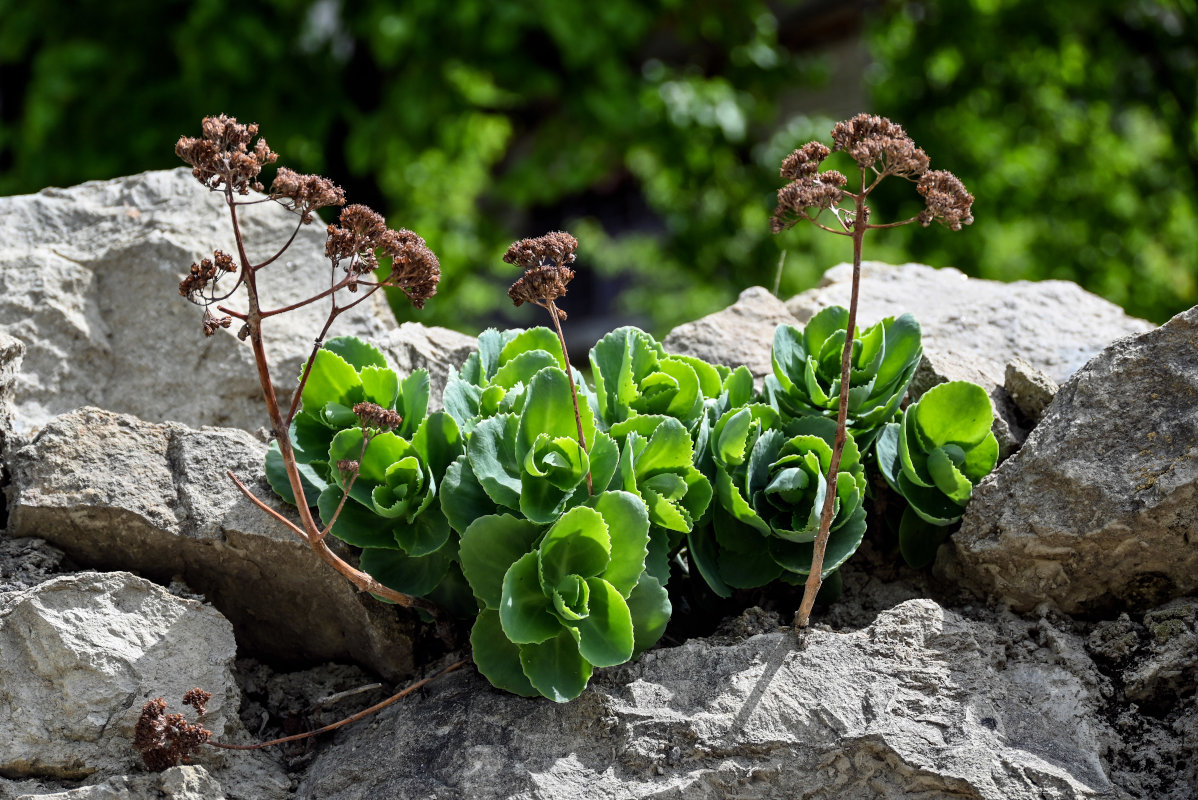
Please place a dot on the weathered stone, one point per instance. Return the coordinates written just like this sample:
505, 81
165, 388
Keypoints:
176, 783
88, 281
115, 492
1030, 389
921, 702
1100, 507
1168, 670
12, 352
414, 346
83, 652
973, 328
26, 562
742, 333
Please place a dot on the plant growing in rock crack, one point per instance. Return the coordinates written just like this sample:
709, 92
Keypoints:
880, 149
934, 457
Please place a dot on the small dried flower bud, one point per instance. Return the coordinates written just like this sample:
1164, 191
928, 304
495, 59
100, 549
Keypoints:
356, 233
164, 739
305, 193
222, 156
870, 140
821, 192
414, 267
804, 162
198, 699
224, 261
348, 466
372, 415
947, 200
556, 249
244, 333
212, 323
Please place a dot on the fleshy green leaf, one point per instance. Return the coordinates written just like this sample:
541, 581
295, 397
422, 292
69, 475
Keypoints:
627, 526
427, 533
356, 353
438, 441
356, 524
555, 667
463, 499
649, 605
331, 380
919, 539
497, 658
493, 459
605, 634
577, 544
532, 339
957, 412
524, 610
414, 576
490, 546
380, 385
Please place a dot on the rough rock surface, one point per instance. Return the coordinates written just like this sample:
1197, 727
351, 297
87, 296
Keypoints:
176, 783
26, 562
742, 333
415, 346
88, 281
12, 352
973, 328
1100, 507
922, 702
115, 492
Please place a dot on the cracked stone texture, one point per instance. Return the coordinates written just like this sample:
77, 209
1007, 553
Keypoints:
83, 653
1099, 510
923, 702
742, 333
973, 328
88, 282
176, 783
115, 492
12, 353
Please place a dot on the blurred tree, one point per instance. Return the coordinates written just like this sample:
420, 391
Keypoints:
1076, 126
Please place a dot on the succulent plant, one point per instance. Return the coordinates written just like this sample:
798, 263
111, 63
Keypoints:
634, 375
934, 458
807, 370
770, 487
560, 601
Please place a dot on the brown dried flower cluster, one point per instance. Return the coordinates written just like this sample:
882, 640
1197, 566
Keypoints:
871, 141
222, 155
804, 162
361, 232
209, 270
164, 740
947, 200
348, 466
372, 415
823, 191
546, 275
305, 193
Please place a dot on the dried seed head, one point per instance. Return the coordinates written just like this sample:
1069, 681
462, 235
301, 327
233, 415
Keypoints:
212, 323
552, 249
414, 267
947, 200
198, 699
305, 193
823, 191
348, 466
804, 162
372, 415
354, 238
164, 739
207, 272
540, 285
223, 156
877, 142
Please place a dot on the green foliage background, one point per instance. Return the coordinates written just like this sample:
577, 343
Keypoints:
651, 129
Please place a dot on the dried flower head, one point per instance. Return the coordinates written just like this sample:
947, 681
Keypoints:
947, 200
804, 162
354, 238
348, 466
879, 143
372, 415
212, 322
821, 191
305, 193
552, 249
207, 272
414, 267
164, 740
222, 156
198, 699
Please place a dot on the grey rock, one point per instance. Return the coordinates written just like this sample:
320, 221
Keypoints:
1168, 670
922, 702
742, 333
82, 653
115, 492
26, 562
88, 281
176, 783
12, 353
414, 346
973, 328
1030, 389
1100, 507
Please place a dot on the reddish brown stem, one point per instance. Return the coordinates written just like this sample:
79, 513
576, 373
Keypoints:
815, 578
361, 714
582, 442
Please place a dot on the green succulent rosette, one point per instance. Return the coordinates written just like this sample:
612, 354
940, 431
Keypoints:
530, 461
393, 511
770, 486
934, 458
807, 370
493, 378
634, 375
560, 600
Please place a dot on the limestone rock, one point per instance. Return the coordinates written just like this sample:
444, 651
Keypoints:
115, 492
922, 702
973, 328
1030, 389
26, 562
176, 783
83, 652
88, 281
414, 346
743, 333
1100, 507
12, 352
